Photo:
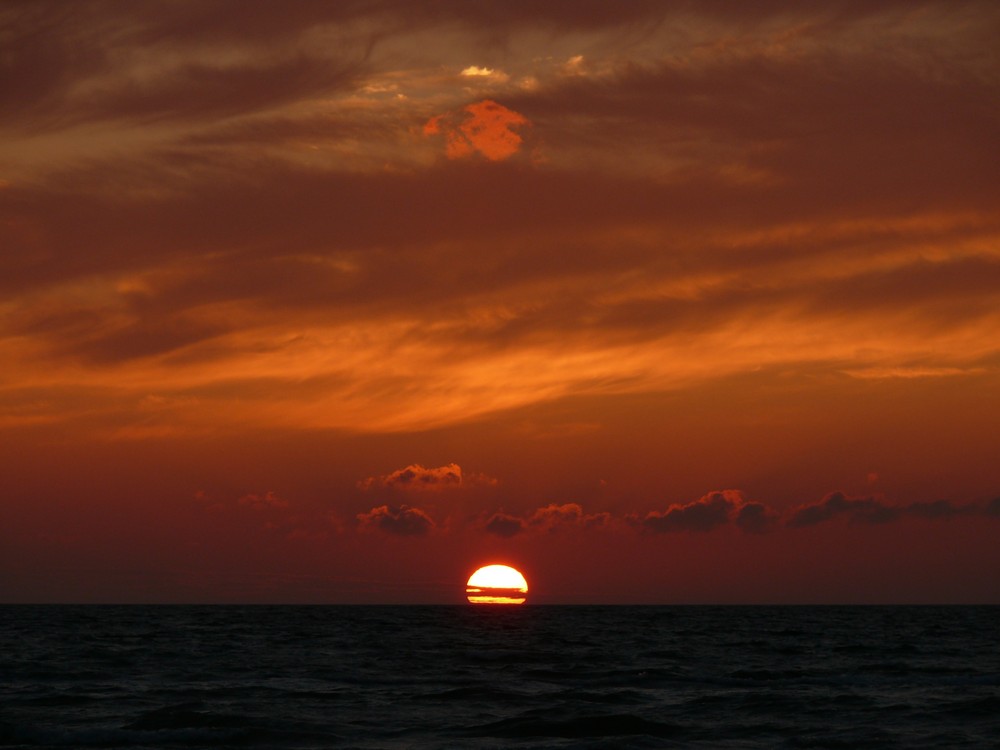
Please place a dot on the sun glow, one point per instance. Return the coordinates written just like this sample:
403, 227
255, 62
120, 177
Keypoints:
496, 584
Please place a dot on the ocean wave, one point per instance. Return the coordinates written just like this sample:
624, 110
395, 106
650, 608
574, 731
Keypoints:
289, 677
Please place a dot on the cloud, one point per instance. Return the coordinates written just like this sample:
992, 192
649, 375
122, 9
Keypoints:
549, 518
485, 127
838, 504
416, 478
148, 63
273, 270
883, 373
487, 74
874, 510
266, 501
755, 517
401, 520
504, 525
553, 516
705, 514
938, 509
722, 508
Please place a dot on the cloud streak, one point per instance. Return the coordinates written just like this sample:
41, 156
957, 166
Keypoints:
873, 510
723, 508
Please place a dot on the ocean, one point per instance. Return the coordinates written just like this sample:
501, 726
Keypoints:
477, 677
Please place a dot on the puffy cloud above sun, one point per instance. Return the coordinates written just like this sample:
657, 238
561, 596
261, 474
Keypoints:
709, 512
400, 520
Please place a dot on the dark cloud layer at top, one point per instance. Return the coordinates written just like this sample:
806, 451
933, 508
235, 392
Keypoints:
67, 63
50, 46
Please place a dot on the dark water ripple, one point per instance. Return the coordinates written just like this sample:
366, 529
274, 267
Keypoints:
589, 677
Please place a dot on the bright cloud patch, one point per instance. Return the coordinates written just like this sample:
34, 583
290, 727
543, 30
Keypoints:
489, 74
484, 128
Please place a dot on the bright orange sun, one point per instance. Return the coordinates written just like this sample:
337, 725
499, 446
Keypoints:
496, 584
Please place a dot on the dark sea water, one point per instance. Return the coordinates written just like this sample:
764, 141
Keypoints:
531, 676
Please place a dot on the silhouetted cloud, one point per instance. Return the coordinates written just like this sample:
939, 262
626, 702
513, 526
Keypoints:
417, 478
600, 520
549, 518
866, 509
504, 525
875, 510
552, 516
706, 513
721, 508
755, 517
938, 509
402, 520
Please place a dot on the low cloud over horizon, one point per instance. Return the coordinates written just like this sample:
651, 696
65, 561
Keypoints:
715, 510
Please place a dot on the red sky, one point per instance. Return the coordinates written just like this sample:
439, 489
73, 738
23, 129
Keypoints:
334, 302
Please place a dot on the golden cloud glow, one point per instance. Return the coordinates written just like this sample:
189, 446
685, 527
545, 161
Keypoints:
486, 128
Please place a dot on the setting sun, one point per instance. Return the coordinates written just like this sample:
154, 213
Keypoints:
496, 584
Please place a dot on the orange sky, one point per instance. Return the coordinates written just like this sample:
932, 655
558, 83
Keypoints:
337, 302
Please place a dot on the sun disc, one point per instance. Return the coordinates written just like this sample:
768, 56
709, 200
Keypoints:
496, 584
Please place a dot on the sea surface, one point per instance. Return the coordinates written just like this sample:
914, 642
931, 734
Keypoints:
475, 677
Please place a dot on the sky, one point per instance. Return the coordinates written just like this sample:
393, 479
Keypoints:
656, 302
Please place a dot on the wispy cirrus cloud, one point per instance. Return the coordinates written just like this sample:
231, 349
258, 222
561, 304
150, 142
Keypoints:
221, 239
